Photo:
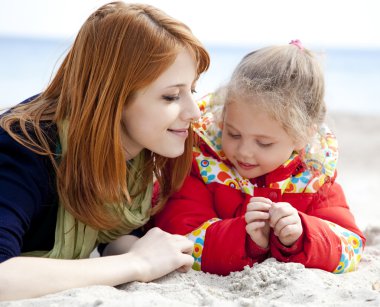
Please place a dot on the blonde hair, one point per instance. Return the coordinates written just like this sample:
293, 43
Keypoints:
287, 82
120, 49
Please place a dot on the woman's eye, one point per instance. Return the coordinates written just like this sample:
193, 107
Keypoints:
170, 98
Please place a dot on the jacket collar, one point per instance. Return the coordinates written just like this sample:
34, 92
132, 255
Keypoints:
320, 155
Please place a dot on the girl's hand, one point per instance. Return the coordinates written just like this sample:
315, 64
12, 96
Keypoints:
159, 253
257, 218
286, 223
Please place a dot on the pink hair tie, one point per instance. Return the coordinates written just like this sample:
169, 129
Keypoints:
297, 42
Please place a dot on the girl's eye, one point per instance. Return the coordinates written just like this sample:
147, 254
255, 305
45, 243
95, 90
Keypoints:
264, 145
193, 91
170, 98
234, 136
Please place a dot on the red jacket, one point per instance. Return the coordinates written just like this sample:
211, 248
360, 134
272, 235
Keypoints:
210, 210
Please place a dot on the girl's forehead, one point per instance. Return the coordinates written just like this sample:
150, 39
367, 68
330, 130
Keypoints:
248, 104
256, 103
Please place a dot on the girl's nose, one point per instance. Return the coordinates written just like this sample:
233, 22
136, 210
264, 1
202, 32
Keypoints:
246, 150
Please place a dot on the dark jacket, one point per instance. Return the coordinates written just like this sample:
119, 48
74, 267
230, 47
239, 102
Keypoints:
28, 197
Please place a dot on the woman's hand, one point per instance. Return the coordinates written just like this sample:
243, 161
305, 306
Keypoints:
257, 218
154, 255
286, 223
159, 253
120, 246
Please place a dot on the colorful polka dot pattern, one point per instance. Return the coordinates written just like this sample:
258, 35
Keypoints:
352, 249
198, 237
209, 127
322, 153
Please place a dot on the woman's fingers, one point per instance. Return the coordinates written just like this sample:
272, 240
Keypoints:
186, 245
160, 253
189, 261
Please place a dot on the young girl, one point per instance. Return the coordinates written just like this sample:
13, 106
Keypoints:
263, 178
77, 161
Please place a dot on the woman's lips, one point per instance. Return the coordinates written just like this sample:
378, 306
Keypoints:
180, 132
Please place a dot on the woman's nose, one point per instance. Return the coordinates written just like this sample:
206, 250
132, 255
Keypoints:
191, 110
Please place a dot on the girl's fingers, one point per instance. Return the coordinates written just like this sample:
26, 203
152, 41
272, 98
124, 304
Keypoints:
260, 199
289, 230
279, 211
258, 206
254, 226
251, 216
284, 222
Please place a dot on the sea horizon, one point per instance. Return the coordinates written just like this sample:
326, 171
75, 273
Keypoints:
351, 74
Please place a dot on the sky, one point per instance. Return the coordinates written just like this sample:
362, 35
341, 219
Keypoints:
329, 23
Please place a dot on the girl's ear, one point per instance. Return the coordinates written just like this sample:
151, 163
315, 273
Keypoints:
312, 130
298, 146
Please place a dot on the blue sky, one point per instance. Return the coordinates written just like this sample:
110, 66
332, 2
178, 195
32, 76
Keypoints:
333, 23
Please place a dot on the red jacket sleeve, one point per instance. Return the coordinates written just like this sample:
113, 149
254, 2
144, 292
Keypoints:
220, 246
331, 240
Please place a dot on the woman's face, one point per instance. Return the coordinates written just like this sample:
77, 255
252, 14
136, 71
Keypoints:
160, 115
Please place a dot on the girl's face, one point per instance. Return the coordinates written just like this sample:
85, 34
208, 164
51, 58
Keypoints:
253, 142
160, 115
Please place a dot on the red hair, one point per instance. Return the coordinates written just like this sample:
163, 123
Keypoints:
120, 49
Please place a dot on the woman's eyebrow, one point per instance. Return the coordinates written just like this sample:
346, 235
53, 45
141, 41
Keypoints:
176, 85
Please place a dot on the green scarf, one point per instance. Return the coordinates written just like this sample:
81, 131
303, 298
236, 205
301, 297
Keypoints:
75, 240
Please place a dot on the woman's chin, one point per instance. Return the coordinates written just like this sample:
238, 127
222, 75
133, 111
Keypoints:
172, 152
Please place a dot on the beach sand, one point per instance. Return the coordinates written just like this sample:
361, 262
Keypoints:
272, 283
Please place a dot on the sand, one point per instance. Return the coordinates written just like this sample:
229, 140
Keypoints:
272, 283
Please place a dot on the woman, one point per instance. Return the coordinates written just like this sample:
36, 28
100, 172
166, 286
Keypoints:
78, 160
